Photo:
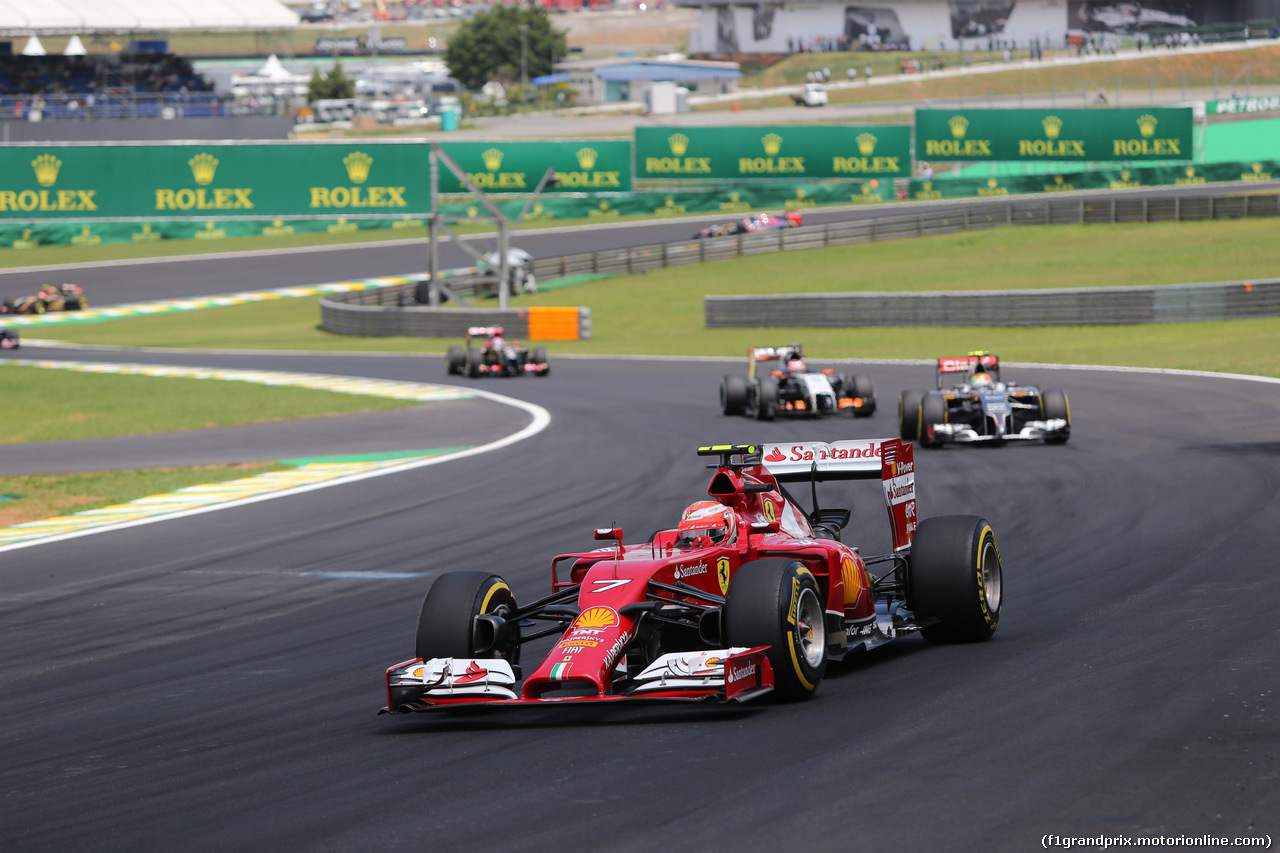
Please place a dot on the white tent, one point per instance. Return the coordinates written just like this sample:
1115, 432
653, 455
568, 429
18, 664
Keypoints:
275, 70
46, 17
33, 48
75, 47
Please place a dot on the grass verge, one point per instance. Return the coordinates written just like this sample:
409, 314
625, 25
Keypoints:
58, 405
39, 496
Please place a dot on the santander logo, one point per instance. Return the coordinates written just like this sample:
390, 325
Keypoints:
776, 456
741, 672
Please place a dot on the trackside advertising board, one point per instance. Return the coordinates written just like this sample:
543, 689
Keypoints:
240, 181
516, 167
788, 152
1083, 135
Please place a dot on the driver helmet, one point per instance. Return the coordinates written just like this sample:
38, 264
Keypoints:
795, 363
707, 518
981, 379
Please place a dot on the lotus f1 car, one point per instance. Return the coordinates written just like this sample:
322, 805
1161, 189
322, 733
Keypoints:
982, 408
748, 595
753, 224
495, 356
779, 383
52, 297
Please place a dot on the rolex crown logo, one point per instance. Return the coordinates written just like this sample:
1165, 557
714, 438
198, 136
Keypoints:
928, 185
992, 183
800, 193
866, 144
46, 166
492, 159
1057, 179
1191, 171
670, 202
959, 124
1147, 124
1124, 175
1052, 126
772, 144
202, 168
587, 158
1257, 168
734, 196
357, 163
679, 144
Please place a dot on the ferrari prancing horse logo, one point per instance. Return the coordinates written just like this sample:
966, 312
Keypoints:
769, 512
722, 574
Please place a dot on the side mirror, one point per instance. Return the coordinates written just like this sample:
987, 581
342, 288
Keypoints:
606, 533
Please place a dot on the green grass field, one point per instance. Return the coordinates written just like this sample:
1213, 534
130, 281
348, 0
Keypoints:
661, 311
60, 405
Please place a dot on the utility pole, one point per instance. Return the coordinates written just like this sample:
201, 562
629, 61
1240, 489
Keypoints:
524, 61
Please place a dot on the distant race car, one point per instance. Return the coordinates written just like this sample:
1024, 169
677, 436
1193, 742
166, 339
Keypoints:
752, 224
496, 356
52, 297
982, 408
779, 383
8, 339
748, 595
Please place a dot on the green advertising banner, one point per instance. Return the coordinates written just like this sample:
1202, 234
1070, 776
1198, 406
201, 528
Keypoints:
214, 181
517, 167
1264, 104
1086, 135
791, 151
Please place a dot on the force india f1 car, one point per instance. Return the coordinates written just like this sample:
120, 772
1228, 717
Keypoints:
778, 383
748, 595
496, 356
982, 408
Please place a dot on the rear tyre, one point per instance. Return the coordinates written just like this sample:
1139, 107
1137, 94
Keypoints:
909, 415
74, 303
455, 360
733, 394
447, 622
539, 356
955, 577
777, 603
933, 410
863, 387
473, 362
1055, 404
765, 401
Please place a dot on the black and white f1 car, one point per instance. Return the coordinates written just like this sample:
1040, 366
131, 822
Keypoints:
779, 383
496, 356
982, 408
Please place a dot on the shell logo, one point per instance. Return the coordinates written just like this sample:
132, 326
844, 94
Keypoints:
596, 617
852, 580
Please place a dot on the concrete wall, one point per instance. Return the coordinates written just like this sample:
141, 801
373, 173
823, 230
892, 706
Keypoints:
147, 130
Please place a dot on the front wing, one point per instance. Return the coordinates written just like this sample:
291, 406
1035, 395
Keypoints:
724, 675
965, 434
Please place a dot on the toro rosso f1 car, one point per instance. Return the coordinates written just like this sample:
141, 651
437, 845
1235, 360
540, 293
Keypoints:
982, 408
779, 383
748, 595
753, 224
495, 356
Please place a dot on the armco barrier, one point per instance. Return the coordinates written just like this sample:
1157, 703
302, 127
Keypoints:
1092, 306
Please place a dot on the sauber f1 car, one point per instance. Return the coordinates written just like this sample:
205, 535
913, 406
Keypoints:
495, 356
753, 224
982, 408
748, 595
779, 383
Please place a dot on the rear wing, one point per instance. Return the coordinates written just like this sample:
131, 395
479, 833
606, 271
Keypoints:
969, 363
887, 459
483, 331
759, 354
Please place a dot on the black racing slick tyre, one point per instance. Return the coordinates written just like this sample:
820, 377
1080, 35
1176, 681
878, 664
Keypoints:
933, 410
473, 362
777, 603
447, 624
733, 394
539, 356
455, 361
863, 387
955, 577
909, 415
75, 303
1055, 405
764, 402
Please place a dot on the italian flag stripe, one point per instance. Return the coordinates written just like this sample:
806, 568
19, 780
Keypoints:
559, 671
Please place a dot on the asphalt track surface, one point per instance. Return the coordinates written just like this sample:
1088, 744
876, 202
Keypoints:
122, 282
211, 682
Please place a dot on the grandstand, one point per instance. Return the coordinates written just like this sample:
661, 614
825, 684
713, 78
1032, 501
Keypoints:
124, 17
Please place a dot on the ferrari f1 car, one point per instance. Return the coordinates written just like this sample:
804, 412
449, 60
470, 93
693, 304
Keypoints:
982, 408
52, 297
495, 356
779, 383
752, 224
748, 595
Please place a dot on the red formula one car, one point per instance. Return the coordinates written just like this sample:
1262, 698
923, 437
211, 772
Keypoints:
747, 595
496, 356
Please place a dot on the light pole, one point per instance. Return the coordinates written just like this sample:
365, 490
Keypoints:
524, 61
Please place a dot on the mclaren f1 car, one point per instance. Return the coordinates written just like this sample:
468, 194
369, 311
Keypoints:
748, 595
982, 408
495, 356
779, 383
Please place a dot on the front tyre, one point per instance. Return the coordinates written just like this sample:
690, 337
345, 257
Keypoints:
955, 577
447, 625
1055, 405
777, 603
